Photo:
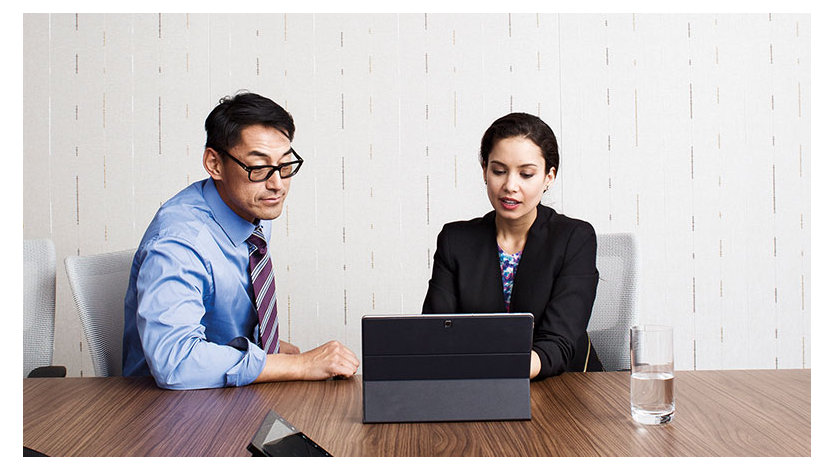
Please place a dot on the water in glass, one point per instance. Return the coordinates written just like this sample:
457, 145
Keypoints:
652, 397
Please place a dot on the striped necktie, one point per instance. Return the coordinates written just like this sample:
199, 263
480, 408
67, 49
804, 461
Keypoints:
263, 290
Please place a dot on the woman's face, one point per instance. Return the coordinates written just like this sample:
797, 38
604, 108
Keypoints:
516, 178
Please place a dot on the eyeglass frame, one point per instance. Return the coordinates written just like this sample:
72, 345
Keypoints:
274, 168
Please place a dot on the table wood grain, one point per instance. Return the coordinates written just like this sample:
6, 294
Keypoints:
719, 413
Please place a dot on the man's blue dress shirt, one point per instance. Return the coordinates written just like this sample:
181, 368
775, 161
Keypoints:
189, 316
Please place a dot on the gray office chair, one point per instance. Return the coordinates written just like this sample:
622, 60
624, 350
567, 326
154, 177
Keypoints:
39, 309
98, 284
615, 308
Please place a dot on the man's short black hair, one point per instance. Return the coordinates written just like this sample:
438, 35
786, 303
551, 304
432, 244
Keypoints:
234, 113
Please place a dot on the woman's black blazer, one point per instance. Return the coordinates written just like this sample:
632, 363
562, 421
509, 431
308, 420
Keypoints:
556, 280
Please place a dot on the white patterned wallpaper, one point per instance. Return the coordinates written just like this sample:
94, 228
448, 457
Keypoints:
692, 131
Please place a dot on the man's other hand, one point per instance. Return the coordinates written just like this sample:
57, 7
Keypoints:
288, 348
331, 359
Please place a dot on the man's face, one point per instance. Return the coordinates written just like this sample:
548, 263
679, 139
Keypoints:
259, 145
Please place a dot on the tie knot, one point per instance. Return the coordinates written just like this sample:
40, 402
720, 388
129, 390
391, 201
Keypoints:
257, 240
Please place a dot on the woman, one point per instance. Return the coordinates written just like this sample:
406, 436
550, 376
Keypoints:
523, 256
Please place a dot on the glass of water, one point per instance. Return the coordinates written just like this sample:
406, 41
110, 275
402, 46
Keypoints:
652, 374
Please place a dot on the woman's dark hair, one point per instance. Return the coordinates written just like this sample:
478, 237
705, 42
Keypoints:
234, 113
527, 126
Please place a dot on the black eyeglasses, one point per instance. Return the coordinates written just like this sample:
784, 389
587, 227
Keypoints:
260, 173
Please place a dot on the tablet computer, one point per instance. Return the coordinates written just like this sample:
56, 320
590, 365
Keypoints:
446, 367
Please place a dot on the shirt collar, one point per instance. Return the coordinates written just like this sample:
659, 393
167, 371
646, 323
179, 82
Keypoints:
236, 227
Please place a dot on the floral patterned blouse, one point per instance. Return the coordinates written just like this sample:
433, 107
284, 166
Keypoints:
508, 266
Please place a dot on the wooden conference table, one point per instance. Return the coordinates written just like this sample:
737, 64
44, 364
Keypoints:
719, 413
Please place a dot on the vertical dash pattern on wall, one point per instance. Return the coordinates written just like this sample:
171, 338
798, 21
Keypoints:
773, 220
694, 356
692, 162
455, 109
692, 188
773, 185
803, 265
720, 223
143, 81
636, 133
77, 202
609, 112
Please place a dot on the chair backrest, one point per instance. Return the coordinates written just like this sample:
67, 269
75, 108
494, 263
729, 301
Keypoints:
99, 284
38, 303
615, 307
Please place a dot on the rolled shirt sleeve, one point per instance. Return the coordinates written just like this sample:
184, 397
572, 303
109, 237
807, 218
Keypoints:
174, 291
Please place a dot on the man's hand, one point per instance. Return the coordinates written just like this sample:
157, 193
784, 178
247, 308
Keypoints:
288, 348
331, 359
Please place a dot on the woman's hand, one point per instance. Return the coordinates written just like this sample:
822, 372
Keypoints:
535, 364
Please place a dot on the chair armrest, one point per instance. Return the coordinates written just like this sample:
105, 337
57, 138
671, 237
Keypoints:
48, 371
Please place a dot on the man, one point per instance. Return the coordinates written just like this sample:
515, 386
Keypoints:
200, 308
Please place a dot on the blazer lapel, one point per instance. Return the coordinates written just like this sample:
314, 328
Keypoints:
530, 267
493, 294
